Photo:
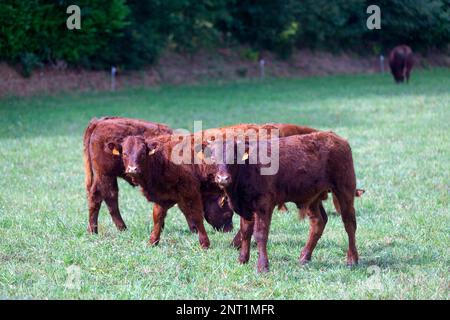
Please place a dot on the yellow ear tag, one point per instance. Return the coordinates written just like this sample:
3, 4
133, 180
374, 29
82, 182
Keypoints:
116, 152
245, 156
200, 155
222, 201
152, 152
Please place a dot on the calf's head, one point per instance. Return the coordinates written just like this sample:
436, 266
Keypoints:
227, 155
399, 75
134, 155
218, 212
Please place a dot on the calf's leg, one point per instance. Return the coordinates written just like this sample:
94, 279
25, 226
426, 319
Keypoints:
237, 240
238, 237
193, 210
407, 75
159, 214
261, 235
246, 231
110, 192
346, 200
191, 225
336, 204
317, 222
104, 188
323, 213
94, 203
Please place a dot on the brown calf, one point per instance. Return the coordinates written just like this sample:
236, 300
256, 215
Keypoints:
103, 163
401, 62
223, 218
149, 164
309, 166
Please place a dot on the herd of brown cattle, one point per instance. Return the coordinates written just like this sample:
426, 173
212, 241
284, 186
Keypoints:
312, 163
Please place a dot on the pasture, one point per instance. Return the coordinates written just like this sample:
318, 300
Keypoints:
401, 147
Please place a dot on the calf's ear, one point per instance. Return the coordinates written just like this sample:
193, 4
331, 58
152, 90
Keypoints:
200, 155
205, 151
246, 153
114, 148
152, 147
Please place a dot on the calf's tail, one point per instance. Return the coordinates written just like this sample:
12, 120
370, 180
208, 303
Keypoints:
86, 153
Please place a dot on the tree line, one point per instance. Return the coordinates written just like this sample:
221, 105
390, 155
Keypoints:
133, 33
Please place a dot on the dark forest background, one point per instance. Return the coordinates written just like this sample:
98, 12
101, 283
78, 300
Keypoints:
132, 34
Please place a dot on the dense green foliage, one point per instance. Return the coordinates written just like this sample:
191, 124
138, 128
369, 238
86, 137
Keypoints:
422, 23
132, 33
154, 24
32, 31
265, 24
400, 142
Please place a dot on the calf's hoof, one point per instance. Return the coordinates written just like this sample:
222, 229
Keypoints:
243, 259
263, 265
352, 263
92, 229
352, 260
305, 258
204, 244
304, 261
153, 242
122, 227
263, 269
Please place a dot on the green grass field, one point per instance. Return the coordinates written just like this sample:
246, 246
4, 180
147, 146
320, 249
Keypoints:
401, 143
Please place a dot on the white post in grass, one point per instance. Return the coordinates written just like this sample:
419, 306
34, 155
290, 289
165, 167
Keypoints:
262, 71
113, 78
382, 63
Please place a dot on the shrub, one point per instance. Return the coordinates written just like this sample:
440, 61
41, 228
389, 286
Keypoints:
38, 28
29, 61
264, 24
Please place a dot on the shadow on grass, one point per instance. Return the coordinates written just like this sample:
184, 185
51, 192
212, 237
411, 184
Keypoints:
397, 257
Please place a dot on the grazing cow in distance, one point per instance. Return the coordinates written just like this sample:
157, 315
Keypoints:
103, 164
309, 166
401, 61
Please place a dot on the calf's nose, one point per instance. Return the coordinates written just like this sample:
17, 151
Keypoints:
223, 179
131, 169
